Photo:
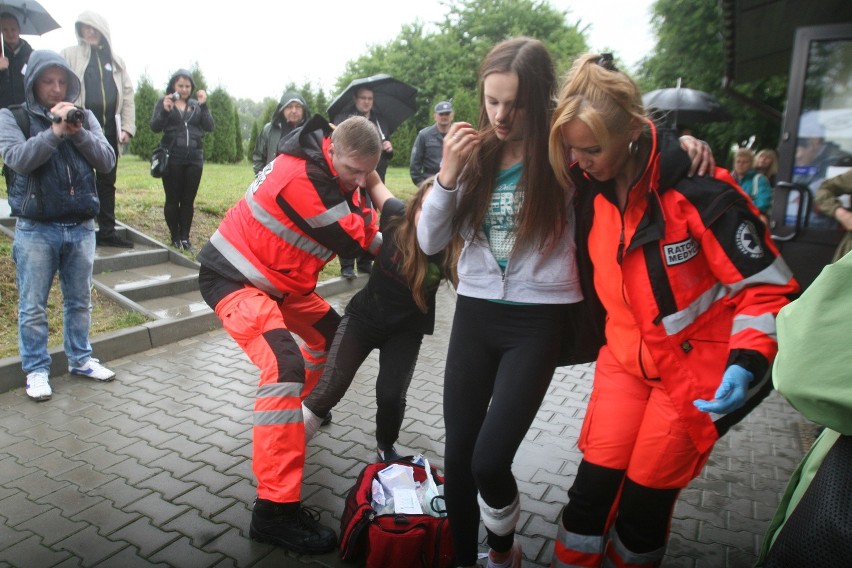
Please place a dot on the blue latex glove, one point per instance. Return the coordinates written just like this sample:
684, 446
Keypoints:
731, 393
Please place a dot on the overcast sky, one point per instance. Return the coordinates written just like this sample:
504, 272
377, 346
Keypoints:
253, 48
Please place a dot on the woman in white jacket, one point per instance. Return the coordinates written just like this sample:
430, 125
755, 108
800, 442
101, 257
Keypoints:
517, 277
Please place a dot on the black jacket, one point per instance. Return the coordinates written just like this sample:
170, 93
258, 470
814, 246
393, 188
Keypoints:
12, 79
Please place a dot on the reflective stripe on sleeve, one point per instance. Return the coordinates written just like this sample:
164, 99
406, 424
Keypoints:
289, 236
375, 244
776, 274
678, 321
329, 216
764, 323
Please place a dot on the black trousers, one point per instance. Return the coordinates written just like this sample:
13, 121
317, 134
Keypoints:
354, 341
180, 183
105, 183
499, 365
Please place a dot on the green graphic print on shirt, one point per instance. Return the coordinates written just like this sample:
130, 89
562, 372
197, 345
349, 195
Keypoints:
499, 222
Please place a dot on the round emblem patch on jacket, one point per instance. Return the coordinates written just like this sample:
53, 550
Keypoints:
748, 241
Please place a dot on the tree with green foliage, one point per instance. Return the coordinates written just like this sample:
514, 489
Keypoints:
443, 65
145, 140
694, 27
255, 132
238, 139
198, 77
249, 112
219, 145
268, 111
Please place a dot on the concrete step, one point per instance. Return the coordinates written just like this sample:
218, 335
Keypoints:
151, 281
150, 278
177, 305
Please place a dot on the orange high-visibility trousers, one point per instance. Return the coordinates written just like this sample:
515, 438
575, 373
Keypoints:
637, 455
262, 327
631, 424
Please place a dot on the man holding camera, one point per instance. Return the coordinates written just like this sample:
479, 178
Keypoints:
53, 149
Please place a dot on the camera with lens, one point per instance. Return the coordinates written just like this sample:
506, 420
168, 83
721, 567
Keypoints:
174, 96
74, 116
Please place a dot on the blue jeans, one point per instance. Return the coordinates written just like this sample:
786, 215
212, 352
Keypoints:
39, 250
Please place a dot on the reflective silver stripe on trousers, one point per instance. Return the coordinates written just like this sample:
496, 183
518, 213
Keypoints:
279, 390
246, 268
630, 558
289, 236
277, 417
315, 354
578, 543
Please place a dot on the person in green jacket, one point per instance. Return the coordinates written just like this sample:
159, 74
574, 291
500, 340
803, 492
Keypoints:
812, 524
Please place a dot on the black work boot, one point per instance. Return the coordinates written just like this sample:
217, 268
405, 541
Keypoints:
291, 526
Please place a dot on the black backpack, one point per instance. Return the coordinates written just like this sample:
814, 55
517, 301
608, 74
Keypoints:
23, 120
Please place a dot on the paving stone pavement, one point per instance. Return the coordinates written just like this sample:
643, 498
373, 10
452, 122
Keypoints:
154, 469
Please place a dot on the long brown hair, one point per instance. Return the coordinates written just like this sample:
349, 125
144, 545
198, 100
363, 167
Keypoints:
414, 264
542, 214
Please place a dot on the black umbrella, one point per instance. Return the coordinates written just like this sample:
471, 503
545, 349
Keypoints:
680, 105
393, 100
31, 16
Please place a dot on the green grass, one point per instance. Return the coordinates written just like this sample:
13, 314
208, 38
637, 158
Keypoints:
139, 204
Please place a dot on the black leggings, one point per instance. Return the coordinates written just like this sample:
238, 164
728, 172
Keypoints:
180, 182
353, 342
500, 362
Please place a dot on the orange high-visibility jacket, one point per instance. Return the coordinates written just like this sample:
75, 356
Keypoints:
689, 278
294, 218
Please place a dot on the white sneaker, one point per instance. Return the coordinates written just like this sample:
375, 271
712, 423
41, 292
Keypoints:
93, 369
38, 387
514, 560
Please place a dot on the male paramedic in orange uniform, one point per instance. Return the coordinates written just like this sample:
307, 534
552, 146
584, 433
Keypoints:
259, 271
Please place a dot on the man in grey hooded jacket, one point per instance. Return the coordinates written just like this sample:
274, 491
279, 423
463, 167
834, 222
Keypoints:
291, 113
53, 149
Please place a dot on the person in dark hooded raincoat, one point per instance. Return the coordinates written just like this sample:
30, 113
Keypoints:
291, 113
